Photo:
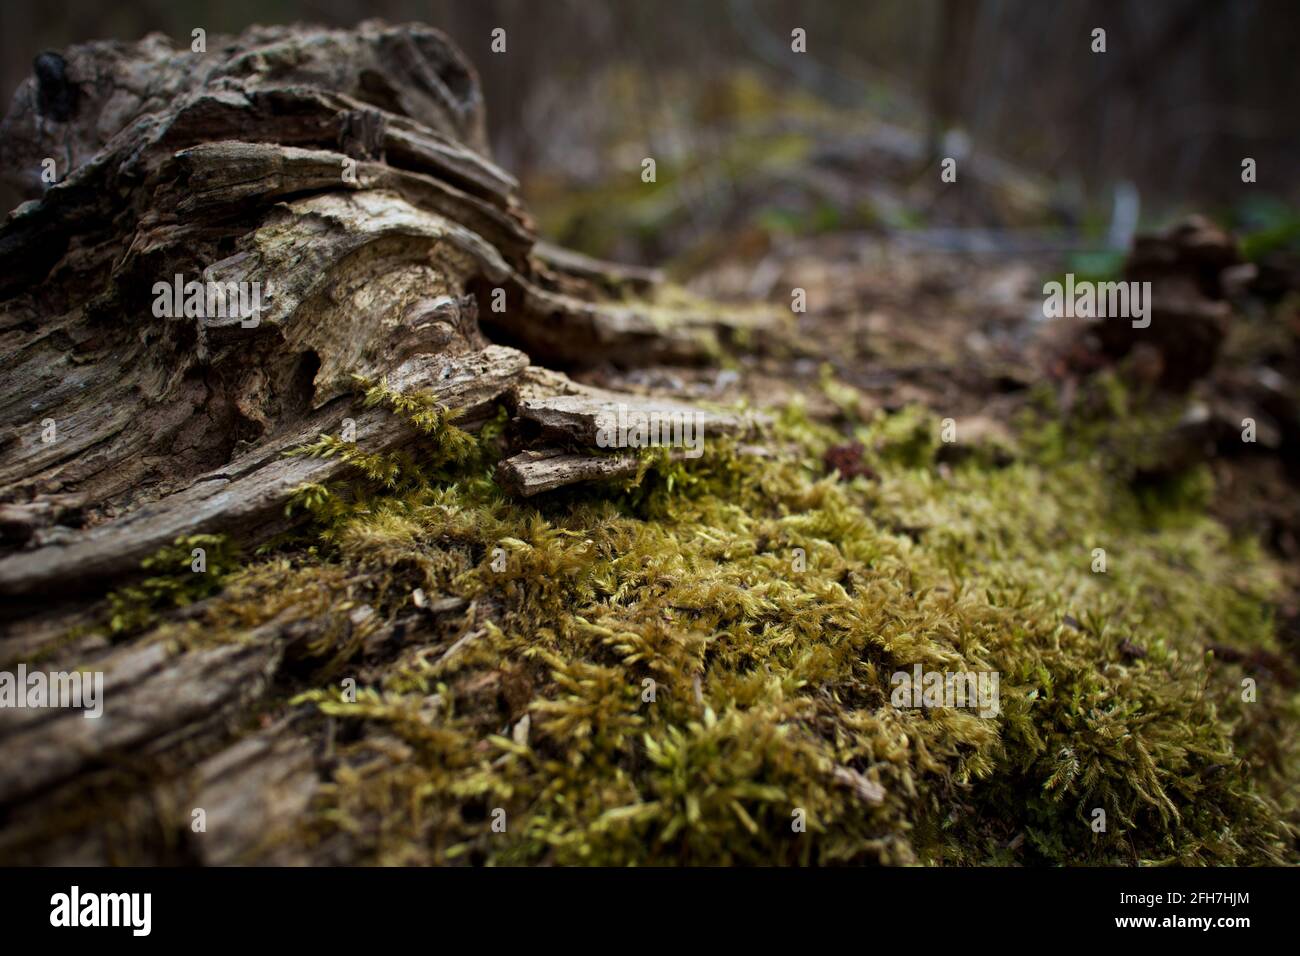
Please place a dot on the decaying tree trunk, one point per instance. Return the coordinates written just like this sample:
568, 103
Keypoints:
341, 176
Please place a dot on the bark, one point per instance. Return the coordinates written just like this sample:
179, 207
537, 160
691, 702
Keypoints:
231, 167
345, 173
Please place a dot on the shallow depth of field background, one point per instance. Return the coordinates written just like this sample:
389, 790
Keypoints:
1158, 123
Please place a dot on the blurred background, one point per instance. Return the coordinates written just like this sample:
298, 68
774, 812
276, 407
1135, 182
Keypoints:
819, 172
1058, 148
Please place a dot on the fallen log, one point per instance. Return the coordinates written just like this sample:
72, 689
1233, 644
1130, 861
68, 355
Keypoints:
231, 242
138, 413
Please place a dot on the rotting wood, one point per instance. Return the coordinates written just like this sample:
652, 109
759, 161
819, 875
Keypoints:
344, 175
242, 167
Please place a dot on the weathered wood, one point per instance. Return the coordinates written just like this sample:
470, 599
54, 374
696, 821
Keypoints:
250, 793
153, 693
249, 493
582, 419
535, 471
234, 167
345, 175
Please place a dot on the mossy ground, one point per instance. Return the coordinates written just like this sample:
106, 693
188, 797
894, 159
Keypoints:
771, 684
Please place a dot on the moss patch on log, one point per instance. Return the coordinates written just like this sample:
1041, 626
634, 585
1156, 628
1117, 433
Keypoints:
682, 667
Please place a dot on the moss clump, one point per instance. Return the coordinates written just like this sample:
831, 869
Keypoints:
193, 567
444, 443
704, 658
695, 666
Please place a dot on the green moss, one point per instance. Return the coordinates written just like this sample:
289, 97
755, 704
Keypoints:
771, 685
678, 668
191, 568
1268, 224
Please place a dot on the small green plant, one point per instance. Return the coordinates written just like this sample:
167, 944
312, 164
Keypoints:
190, 569
448, 444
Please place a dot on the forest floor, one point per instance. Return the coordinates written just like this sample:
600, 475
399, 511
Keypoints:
700, 664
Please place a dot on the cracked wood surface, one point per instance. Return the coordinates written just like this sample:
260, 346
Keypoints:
346, 172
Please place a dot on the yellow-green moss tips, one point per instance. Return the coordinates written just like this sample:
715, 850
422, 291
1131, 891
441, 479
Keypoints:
694, 667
